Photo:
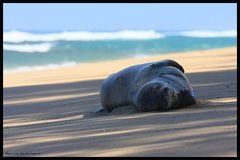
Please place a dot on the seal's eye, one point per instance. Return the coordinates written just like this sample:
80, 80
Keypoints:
165, 90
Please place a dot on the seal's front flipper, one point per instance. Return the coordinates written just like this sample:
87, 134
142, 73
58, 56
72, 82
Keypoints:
100, 111
187, 98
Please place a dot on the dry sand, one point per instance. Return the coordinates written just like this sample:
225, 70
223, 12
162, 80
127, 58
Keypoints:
51, 113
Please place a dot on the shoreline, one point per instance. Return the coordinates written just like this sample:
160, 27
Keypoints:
100, 70
67, 64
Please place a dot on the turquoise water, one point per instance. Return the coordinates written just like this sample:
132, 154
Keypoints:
52, 51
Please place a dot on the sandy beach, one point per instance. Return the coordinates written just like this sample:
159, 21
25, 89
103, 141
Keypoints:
51, 112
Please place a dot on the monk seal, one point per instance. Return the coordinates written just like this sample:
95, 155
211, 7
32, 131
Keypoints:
154, 86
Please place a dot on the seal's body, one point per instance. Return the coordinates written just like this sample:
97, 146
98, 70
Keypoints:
155, 86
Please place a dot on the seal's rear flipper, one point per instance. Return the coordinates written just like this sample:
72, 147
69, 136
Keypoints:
168, 62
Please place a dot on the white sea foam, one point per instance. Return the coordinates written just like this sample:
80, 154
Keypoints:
42, 47
17, 36
140, 56
205, 33
39, 67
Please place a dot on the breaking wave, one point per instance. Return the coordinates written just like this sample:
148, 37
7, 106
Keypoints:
203, 34
29, 48
18, 36
39, 67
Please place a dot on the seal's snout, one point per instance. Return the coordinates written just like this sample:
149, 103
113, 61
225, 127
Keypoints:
155, 96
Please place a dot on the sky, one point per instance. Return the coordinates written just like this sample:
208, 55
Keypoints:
110, 17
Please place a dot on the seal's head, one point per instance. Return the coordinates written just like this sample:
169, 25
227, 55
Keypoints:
154, 96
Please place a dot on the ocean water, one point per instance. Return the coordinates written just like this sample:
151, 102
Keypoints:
25, 51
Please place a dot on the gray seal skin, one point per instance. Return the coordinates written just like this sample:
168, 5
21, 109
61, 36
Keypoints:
155, 86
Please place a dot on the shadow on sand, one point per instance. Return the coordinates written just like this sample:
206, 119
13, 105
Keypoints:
59, 120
